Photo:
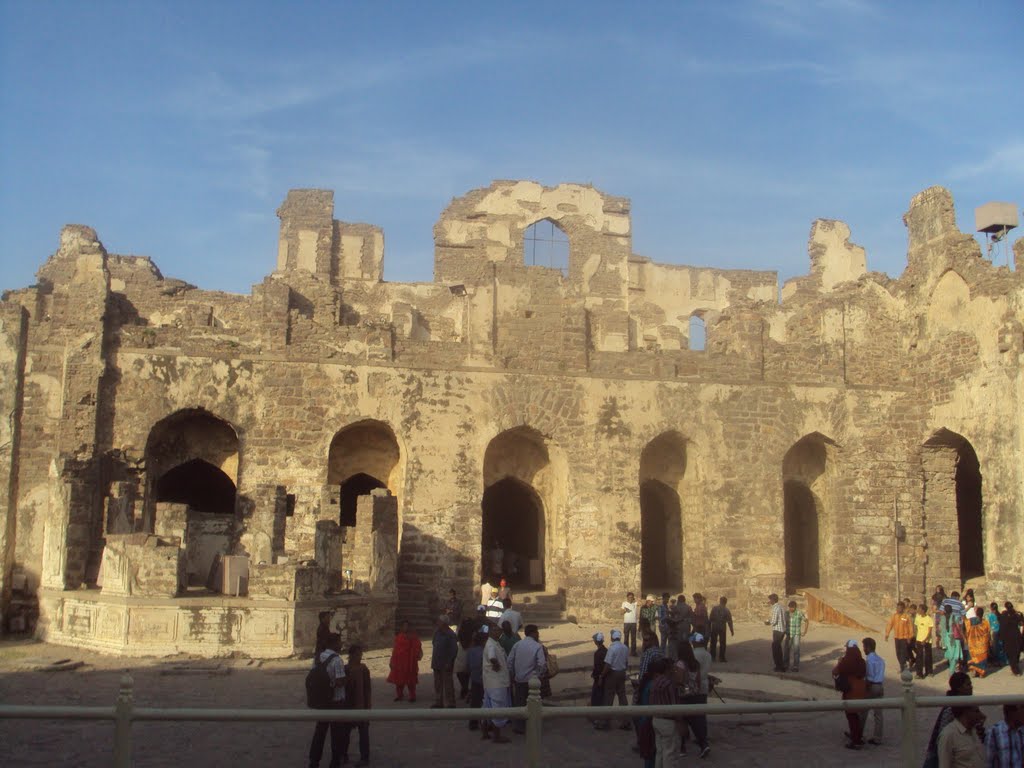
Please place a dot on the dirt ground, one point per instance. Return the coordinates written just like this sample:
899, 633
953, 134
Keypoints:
29, 675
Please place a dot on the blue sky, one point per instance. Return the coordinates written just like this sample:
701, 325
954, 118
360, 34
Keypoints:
176, 128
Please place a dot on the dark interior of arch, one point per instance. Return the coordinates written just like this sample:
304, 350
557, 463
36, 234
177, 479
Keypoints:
801, 537
358, 485
202, 486
513, 517
968, 513
661, 533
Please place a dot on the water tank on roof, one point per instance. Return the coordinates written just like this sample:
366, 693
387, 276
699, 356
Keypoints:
995, 218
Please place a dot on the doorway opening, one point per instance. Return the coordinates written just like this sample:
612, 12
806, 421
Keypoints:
512, 534
801, 537
968, 512
661, 534
359, 484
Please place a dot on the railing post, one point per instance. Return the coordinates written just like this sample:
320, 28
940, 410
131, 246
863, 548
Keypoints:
534, 718
123, 724
908, 748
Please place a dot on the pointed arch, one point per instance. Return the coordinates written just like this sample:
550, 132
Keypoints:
808, 472
546, 244
953, 501
665, 488
363, 456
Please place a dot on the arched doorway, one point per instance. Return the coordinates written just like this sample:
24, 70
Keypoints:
520, 492
807, 473
661, 545
363, 457
512, 535
663, 469
953, 502
192, 462
801, 537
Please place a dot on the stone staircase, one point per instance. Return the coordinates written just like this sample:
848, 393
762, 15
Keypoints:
545, 609
416, 605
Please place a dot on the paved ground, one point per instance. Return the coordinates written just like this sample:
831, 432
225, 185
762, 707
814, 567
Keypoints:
752, 740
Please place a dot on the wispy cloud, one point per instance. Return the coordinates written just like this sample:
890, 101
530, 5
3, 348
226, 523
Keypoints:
1005, 161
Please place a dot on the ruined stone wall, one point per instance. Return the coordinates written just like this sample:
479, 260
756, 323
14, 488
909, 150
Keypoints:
563, 380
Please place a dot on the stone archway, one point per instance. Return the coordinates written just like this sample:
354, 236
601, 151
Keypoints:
808, 470
362, 457
953, 501
663, 470
192, 462
523, 489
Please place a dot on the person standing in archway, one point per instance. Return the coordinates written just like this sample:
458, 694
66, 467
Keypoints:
629, 618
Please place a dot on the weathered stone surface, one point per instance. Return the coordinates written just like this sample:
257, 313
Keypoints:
561, 411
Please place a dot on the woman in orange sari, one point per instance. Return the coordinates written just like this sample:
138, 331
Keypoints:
405, 656
978, 642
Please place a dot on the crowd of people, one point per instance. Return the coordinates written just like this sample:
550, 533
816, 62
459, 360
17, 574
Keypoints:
488, 658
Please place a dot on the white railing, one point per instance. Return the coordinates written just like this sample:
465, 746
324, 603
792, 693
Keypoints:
124, 713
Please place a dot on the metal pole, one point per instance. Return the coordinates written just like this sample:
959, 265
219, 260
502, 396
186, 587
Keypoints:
123, 724
534, 715
908, 750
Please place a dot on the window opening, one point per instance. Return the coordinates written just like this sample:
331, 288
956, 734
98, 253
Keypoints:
698, 333
545, 244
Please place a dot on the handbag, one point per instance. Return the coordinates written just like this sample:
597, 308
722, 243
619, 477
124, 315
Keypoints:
552, 665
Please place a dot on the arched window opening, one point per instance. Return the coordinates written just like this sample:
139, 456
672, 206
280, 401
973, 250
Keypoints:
200, 485
358, 485
545, 244
512, 533
698, 333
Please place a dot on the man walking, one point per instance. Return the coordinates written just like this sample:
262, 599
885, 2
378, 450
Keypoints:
875, 678
613, 677
901, 624
798, 625
495, 678
779, 624
330, 658
525, 660
720, 618
442, 662
629, 617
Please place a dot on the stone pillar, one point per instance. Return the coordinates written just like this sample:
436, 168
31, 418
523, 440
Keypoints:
384, 546
13, 330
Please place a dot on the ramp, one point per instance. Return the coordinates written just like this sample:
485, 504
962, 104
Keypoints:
832, 608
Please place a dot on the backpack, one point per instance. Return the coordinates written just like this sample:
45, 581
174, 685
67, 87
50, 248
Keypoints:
319, 688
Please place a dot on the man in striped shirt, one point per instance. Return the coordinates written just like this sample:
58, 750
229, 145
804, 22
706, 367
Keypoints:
777, 620
1004, 741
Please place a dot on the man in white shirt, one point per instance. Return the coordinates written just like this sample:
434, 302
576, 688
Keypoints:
331, 657
875, 679
629, 617
513, 617
613, 677
525, 660
495, 677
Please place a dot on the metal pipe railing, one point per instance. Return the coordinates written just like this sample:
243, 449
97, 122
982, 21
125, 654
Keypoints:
124, 713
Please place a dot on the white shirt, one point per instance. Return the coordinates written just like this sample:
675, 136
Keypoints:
335, 671
513, 617
617, 657
526, 660
629, 617
495, 678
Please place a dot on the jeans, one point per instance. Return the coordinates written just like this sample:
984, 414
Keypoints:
902, 652
629, 637
316, 747
791, 653
717, 637
777, 658
444, 687
875, 691
364, 739
924, 659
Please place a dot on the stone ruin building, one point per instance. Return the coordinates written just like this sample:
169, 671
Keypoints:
196, 471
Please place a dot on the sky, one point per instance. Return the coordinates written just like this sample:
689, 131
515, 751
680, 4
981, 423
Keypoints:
175, 129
